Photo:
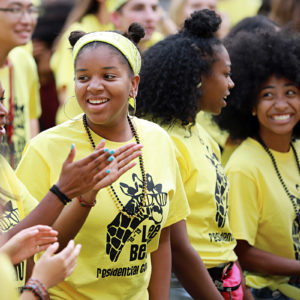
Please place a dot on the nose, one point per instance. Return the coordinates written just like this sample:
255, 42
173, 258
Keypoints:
3, 110
281, 103
230, 83
150, 14
95, 85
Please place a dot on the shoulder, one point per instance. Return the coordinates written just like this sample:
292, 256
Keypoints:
19, 57
247, 157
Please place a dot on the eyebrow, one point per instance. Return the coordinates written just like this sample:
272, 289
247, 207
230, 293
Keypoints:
19, 4
272, 86
104, 68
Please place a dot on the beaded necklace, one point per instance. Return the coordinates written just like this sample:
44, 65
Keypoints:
130, 213
292, 198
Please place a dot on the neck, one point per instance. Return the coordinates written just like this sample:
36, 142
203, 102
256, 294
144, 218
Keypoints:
120, 132
3, 57
103, 15
278, 143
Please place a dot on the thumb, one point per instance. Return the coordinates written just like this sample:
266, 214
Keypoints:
71, 154
51, 249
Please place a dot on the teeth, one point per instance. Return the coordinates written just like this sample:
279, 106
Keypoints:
281, 117
225, 97
97, 101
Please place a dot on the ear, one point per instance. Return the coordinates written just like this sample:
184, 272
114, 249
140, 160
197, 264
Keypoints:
135, 80
115, 18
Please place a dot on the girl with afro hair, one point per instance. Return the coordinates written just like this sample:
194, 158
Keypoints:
186, 73
263, 112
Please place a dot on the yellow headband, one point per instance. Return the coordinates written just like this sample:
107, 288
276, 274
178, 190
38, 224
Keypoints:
123, 44
113, 5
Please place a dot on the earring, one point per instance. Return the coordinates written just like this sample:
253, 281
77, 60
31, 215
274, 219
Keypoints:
254, 113
199, 85
132, 103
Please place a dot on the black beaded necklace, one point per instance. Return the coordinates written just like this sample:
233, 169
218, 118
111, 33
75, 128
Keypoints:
131, 213
292, 198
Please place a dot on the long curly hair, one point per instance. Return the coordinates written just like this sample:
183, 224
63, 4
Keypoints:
173, 68
255, 57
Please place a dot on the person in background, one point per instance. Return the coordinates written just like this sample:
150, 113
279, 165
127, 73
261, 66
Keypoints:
49, 24
192, 68
89, 16
264, 171
286, 14
179, 10
145, 12
126, 238
19, 77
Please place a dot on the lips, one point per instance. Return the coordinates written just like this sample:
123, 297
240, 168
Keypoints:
2, 130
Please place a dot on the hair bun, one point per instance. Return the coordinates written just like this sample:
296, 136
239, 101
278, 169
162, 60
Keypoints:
203, 23
136, 32
75, 36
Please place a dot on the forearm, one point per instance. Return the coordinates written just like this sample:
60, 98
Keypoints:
189, 267
70, 221
159, 286
193, 275
257, 260
34, 127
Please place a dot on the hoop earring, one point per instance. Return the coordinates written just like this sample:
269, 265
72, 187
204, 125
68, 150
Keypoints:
132, 103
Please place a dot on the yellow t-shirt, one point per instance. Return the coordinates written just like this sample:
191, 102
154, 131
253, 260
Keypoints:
205, 120
206, 187
261, 212
17, 205
7, 284
63, 68
26, 99
155, 38
114, 262
239, 9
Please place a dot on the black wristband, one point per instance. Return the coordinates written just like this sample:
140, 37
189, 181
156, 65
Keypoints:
61, 196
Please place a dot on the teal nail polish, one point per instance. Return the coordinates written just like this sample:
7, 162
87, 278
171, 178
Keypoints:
111, 152
105, 150
72, 146
111, 158
108, 171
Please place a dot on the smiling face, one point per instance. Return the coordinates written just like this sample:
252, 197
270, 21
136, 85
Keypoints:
16, 30
278, 108
103, 84
3, 113
144, 12
216, 85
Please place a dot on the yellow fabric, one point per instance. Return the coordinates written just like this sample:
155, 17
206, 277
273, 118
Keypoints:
155, 38
113, 5
206, 187
97, 276
123, 44
15, 209
26, 98
205, 120
261, 212
63, 68
239, 9
7, 283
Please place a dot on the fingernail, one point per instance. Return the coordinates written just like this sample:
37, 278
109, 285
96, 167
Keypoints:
105, 150
72, 146
111, 158
111, 152
108, 171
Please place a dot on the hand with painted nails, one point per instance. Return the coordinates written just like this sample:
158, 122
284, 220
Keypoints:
119, 161
97, 170
28, 242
